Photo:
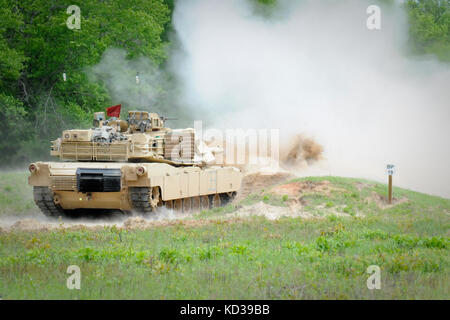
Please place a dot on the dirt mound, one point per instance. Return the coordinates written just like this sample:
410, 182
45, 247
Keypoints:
294, 209
271, 212
382, 201
255, 182
299, 188
362, 185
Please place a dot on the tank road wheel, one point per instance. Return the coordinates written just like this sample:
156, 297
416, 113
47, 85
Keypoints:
196, 204
45, 200
144, 200
216, 200
154, 197
226, 198
178, 205
169, 204
205, 203
187, 205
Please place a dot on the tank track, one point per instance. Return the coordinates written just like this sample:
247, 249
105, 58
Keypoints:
143, 200
140, 199
43, 197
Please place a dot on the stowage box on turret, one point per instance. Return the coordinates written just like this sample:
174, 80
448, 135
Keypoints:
137, 164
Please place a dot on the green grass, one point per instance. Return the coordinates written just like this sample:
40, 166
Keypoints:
16, 196
254, 258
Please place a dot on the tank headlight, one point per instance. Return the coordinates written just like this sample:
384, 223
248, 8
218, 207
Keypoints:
33, 168
140, 170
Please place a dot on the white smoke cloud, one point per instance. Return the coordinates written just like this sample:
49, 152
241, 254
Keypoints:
316, 68
119, 76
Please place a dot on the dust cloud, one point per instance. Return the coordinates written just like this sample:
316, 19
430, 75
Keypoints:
36, 221
299, 152
313, 67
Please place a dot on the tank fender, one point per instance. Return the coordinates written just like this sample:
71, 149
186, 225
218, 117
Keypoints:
40, 177
136, 175
158, 181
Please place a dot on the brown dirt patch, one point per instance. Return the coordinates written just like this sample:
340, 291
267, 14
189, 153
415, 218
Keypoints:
300, 188
295, 209
382, 201
254, 183
271, 212
134, 223
30, 225
361, 185
140, 223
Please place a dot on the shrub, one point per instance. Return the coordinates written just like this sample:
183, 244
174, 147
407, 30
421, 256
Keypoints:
239, 249
87, 254
323, 244
168, 255
209, 253
375, 234
434, 242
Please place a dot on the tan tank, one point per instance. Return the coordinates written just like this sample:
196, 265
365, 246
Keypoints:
137, 164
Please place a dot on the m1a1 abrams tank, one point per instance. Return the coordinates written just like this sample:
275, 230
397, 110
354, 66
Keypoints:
133, 165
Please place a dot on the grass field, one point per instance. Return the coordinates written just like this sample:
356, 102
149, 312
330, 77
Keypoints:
16, 196
323, 257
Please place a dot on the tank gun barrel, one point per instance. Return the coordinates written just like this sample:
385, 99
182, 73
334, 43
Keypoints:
167, 118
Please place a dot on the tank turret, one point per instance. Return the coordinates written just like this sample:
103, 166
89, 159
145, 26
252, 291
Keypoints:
142, 137
143, 121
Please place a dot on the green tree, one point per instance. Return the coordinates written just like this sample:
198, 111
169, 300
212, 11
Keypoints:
430, 27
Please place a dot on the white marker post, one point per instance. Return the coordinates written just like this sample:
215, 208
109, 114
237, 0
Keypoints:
390, 170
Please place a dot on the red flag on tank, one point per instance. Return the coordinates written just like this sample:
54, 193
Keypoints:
113, 111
